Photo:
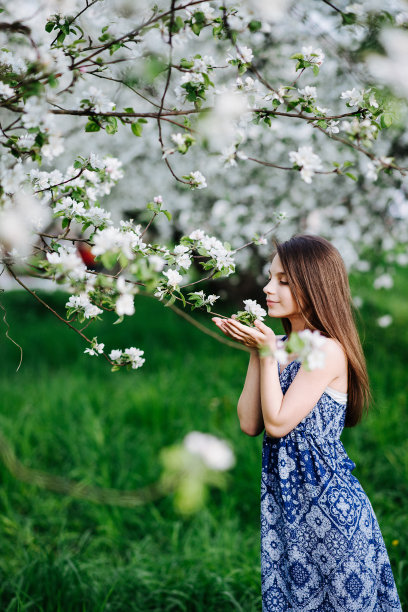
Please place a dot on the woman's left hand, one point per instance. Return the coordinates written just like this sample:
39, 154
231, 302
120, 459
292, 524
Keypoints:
253, 337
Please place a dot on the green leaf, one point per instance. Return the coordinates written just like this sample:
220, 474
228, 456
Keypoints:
129, 109
171, 301
315, 69
111, 125
255, 25
114, 48
109, 259
291, 105
50, 26
347, 164
91, 126
348, 18
352, 176
386, 120
298, 56
168, 215
119, 320
65, 222
136, 128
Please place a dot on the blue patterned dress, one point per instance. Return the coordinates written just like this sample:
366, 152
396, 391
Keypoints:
321, 546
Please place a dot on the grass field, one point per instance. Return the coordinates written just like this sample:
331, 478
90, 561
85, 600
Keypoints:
65, 413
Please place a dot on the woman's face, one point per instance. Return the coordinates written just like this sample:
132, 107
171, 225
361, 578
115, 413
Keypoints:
279, 298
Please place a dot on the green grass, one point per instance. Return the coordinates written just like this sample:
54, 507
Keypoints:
65, 413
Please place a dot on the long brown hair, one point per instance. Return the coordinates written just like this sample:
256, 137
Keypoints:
318, 280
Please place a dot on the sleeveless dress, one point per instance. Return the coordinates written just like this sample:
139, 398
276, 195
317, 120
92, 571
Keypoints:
321, 546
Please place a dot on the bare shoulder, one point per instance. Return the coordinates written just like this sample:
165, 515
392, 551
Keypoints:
334, 352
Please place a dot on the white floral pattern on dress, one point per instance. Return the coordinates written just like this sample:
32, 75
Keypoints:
321, 546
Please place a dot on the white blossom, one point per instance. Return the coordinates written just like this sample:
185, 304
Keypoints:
135, 357
174, 278
197, 235
5, 90
197, 180
332, 127
95, 350
308, 92
308, 161
156, 262
314, 56
215, 453
353, 97
384, 281
97, 100
255, 309
125, 305
384, 321
68, 262
82, 303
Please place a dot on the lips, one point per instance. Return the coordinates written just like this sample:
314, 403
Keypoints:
271, 302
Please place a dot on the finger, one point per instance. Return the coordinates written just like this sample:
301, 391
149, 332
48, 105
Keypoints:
262, 327
251, 338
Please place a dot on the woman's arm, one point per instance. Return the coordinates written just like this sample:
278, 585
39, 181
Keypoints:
281, 413
249, 407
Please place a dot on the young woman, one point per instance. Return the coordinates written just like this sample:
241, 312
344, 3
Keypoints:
321, 546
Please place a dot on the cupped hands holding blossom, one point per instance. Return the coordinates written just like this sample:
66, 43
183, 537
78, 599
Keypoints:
259, 338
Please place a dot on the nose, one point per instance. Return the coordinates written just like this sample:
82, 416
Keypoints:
268, 289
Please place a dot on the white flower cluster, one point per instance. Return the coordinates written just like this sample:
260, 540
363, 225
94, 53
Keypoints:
81, 303
16, 63
374, 166
384, 321
124, 303
230, 154
363, 129
113, 240
354, 97
67, 262
384, 281
312, 355
36, 114
204, 8
216, 250
5, 90
307, 161
314, 56
132, 354
182, 258
255, 309
308, 350
96, 348
209, 299
216, 454
197, 180
308, 92
96, 100
244, 54
71, 209
21, 215
174, 278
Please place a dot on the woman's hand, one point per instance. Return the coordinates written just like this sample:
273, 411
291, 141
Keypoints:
254, 338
